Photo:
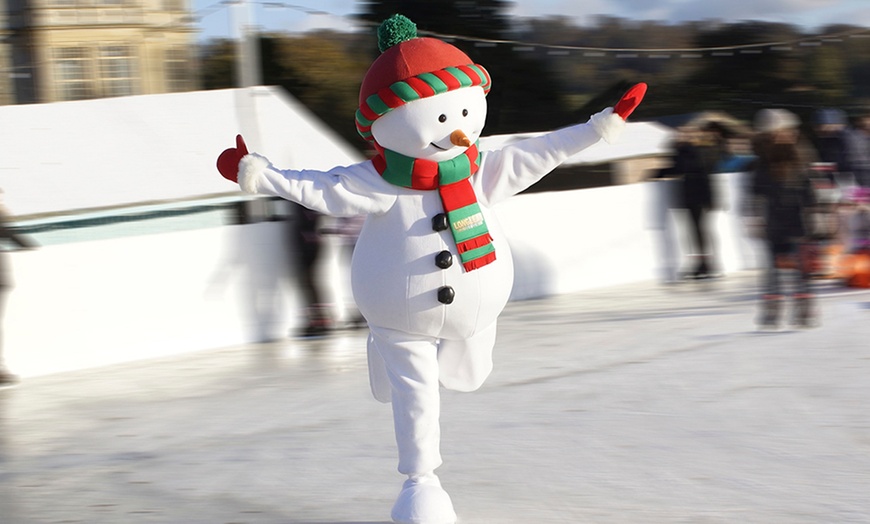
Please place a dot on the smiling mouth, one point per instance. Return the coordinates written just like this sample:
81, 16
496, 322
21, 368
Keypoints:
437, 146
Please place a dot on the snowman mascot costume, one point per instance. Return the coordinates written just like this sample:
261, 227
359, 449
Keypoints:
431, 270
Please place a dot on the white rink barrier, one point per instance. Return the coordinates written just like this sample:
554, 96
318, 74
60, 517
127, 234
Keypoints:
83, 304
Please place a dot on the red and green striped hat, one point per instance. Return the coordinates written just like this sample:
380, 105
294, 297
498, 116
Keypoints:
411, 68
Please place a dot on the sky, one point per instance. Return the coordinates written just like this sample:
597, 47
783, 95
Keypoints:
219, 18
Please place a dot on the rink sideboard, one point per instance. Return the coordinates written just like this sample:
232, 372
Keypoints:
154, 281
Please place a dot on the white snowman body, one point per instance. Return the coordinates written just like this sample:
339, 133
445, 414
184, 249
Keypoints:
431, 268
394, 273
419, 342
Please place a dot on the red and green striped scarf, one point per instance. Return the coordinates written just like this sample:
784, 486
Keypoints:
451, 179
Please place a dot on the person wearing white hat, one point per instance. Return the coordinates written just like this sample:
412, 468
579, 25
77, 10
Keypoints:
781, 181
777, 121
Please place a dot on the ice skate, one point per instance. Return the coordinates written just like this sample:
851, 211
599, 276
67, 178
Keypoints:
768, 318
805, 315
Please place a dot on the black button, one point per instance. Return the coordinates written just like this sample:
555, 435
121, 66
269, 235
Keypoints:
439, 222
446, 295
444, 259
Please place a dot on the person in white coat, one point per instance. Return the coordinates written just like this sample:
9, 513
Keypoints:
431, 271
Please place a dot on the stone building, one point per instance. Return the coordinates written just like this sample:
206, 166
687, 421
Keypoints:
58, 50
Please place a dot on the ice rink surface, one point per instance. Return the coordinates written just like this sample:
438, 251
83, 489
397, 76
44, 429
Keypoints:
635, 404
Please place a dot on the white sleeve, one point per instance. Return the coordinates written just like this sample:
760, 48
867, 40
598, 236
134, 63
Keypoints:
342, 191
508, 171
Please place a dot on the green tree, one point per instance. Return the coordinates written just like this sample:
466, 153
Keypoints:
536, 89
856, 55
757, 75
322, 72
593, 79
826, 74
217, 63
478, 18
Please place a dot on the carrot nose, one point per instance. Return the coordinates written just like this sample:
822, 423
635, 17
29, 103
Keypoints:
458, 138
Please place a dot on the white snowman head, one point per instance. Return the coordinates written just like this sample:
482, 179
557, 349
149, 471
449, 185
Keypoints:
436, 128
422, 97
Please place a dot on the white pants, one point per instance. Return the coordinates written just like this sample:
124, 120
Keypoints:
408, 371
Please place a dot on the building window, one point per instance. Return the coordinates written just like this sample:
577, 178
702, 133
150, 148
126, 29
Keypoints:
117, 71
173, 5
73, 76
177, 71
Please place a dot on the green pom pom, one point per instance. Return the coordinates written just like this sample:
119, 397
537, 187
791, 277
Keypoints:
394, 30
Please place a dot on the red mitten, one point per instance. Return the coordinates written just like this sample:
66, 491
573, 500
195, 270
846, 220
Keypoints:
228, 161
630, 100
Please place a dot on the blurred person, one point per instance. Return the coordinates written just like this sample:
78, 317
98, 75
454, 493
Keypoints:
857, 149
829, 137
782, 184
738, 151
666, 196
697, 155
306, 238
9, 236
858, 222
833, 176
719, 146
346, 230
854, 262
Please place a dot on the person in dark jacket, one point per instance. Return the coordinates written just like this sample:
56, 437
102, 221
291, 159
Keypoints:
857, 151
829, 137
307, 240
782, 184
696, 157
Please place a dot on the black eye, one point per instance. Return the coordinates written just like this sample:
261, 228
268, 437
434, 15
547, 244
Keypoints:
465, 112
442, 118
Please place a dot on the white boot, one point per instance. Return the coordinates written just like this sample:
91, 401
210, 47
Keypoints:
423, 501
411, 366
